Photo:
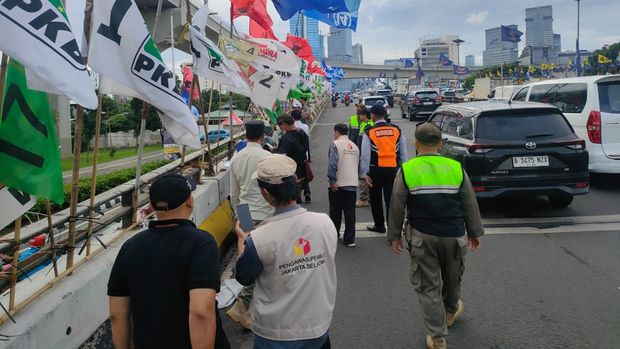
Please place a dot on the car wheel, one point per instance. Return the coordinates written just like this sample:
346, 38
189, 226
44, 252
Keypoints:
560, 200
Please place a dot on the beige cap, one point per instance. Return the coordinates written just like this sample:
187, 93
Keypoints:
273, 168
428, 133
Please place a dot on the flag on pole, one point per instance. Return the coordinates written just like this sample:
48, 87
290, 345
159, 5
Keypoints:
29, 151
343, 20
408, 63
38, 34
603, 60
210, 62
123, 52
188, 77
444, 60
255, 9
419, 74
511, 34
287, 8
259, 32
459, 70
300, 46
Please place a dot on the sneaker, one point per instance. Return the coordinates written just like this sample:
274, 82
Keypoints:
362, 203
349, 244
451, 318
376, 229
240, 314
435, 342
308, 199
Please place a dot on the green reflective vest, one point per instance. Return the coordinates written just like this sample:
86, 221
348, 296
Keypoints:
434, 206
365, 125
354, 122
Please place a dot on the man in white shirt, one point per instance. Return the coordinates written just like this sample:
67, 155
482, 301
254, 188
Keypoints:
244, 190
296, 114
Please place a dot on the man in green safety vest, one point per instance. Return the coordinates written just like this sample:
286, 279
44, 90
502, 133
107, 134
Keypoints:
440, 205
354, 123
365, 123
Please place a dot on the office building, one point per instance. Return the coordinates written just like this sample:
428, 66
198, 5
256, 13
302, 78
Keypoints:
470, 61
539, 34
358, 54
312, 32
432, 46
496, 51
322, 54
557, 44
339, 45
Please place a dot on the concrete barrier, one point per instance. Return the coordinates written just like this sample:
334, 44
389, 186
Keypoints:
76, 307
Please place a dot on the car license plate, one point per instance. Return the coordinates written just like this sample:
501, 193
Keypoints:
428, 103
530, 161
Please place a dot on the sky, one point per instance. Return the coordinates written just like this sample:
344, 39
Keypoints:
390, 29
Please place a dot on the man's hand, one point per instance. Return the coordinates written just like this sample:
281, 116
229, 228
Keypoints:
473, 242
369, 181
397, 246
240, 233
120, 320
333, 187
202, 318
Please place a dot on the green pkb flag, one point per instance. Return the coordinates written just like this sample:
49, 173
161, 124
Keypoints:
29, 154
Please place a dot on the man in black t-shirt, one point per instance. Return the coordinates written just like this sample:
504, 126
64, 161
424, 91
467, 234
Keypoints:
296, 145
163, 284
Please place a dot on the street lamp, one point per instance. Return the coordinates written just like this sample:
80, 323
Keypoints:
577, 41
458, 43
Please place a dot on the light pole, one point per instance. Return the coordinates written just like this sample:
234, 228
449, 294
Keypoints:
577, 41
458, 43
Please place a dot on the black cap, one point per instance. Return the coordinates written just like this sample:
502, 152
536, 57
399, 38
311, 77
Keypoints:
255, 129
169, 191
428, 133
378, 110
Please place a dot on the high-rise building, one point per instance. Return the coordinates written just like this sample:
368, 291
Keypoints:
496, 51
339, 45
470, 60
312, 32
431, 47
322, 54
557, 44
358, 54
539, 34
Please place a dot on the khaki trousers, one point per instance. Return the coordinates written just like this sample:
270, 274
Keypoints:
437, 268
363, 187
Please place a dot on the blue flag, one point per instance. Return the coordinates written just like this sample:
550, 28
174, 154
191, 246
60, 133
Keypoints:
420, 73
408, 63
343, 20
459, 70
511, 34
444, 60
287, 8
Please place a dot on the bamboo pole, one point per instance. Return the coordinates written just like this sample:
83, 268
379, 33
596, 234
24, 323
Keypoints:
93, 178
230, 99
3, 65
75, 177
205, 126
16, 244
136, 192
50, 228
211, 167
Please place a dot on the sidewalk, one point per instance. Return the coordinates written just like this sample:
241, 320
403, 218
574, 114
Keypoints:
114, 165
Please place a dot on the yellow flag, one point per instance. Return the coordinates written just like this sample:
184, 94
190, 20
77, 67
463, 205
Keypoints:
586, 61
603, 60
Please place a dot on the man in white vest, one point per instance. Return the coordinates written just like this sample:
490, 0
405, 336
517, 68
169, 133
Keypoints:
291, 259
342, 173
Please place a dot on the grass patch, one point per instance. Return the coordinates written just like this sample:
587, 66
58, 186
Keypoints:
107, 155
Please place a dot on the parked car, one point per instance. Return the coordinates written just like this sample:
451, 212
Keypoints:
592, 106
372, 100
451, 96
388, 94
515, 149
217, 135
422, 103
504, 92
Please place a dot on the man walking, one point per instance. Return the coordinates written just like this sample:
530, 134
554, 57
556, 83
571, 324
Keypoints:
342, 173
365, 123
291, 259
244, 190
163, 283
297, 116
296, 145
440, 205
384, 149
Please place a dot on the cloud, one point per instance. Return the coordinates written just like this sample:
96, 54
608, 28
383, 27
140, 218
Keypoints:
477, 17
377, 4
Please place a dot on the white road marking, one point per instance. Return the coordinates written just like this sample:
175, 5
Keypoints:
551, 225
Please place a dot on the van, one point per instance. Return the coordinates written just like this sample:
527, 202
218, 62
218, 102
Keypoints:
592, 106
503, 92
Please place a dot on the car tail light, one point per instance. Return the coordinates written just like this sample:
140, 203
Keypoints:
416, 101
581, 185
438, 99
479, 189
593, 126
480, 148
577, 144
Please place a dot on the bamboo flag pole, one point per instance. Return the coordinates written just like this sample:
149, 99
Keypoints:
205, 124
3, 65
93, 178
16, 244
50, 230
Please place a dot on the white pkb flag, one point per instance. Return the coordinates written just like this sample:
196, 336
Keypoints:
37, 33
210, 62
122, 51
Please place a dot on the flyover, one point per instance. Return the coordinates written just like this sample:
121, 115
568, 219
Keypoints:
360, 71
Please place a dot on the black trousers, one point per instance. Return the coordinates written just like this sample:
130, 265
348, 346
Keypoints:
343, 201
382, 184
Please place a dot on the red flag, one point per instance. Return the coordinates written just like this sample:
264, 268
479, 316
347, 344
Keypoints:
256, 31
301, 47
255, 9
188, 76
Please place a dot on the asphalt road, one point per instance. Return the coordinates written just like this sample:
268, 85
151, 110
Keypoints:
113, 165
543, 278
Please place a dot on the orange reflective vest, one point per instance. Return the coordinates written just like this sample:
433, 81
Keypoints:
384, 145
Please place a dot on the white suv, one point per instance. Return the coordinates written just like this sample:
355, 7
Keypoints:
592, 106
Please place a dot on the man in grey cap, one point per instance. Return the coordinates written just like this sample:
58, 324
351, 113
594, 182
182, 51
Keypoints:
440, 205
291, 259
244, 190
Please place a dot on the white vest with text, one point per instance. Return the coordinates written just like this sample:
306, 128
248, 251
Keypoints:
348, 162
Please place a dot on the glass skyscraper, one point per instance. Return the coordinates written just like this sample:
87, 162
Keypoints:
312, 33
